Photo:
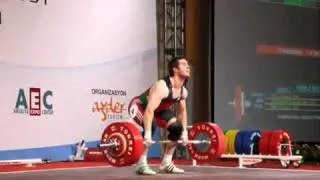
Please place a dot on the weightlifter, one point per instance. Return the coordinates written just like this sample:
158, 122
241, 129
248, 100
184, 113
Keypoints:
155, 103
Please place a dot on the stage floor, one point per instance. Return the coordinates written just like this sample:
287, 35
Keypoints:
192, 172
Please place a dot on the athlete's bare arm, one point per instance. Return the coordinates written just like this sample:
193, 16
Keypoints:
157, 92
182, 111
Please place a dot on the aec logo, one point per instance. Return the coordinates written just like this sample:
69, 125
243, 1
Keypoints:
37, 100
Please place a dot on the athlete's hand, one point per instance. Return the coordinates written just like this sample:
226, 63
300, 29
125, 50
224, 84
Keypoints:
184, 137
148, 142
147, 139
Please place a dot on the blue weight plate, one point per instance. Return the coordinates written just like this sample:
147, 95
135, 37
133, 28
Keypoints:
238, 142
251, 140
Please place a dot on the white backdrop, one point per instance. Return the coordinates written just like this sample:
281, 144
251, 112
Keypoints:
66, 33
71, 47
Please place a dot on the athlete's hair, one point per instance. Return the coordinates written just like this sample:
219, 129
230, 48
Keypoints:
174, 64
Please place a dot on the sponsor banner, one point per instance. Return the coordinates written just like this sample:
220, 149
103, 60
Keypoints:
69, 69
38, 103
43, 107
66, 73
110, 104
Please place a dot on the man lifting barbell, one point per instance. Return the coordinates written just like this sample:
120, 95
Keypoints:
155, 103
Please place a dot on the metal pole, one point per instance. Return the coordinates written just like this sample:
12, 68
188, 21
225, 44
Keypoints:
165, 36
211, 111
175, 27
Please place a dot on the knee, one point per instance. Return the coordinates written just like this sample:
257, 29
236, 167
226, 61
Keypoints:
175, 131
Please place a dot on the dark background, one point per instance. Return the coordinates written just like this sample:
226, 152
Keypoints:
239, 26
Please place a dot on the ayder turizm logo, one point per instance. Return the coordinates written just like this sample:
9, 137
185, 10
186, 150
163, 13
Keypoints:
37, 102
112, 106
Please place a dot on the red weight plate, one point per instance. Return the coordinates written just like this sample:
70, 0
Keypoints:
280, 137
120, 149
264, 142
137, 144
275, 137
217, 142
129, 140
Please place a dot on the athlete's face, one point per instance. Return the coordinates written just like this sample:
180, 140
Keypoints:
183, 69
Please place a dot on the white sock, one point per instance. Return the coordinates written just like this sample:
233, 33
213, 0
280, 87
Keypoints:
143, 158
167, 157
166, 160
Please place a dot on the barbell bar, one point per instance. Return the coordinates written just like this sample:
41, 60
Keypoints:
114, 144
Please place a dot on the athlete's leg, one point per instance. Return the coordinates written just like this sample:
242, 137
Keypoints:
174, 133
136, 113
144, 156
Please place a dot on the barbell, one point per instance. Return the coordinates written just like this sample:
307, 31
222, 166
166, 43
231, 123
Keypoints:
115, 143
122, 143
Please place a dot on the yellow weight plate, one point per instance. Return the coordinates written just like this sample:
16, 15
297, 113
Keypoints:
231, 136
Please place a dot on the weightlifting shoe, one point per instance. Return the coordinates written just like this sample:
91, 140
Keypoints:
171, 168
144, 169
